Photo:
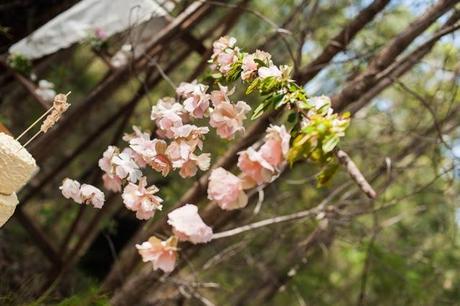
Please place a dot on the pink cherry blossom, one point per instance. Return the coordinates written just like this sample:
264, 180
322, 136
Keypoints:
167, 114
225, 60
272, 71
162, 164
71, 190
190, 131
142, 199
226, 189
228, 118
160, 161
105, 163
188, 225
162, 254
92, 195
136, 157
126, 167
112, 183
225, 54
276, 146
222, 44
146, 148
255, 167
221, 95
249, 65
196, 101
190, 166
179, 151
138, 133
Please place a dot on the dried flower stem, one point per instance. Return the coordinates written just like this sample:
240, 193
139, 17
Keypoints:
53, 114
36, 121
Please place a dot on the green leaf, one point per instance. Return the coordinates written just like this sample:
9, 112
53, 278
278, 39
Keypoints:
278, 100
252, 86
260, 62
260, 109
330, 143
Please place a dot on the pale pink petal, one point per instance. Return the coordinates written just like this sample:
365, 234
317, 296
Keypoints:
105, 163
254, 166
126, 167
112, 183
71, 190
226, 189
92, 195
188, 224
272, 71
228, 118
142, 199
162, 254
276, 146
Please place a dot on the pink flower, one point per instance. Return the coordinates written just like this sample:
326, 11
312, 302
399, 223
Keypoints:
250, 66
105, 163
222, 44
272, 71
228, 118
125, 166
255, 167
160, 161
162, 254
138, 133
142, 199
276, 146
190, 131
226, 189
188, 225
146, 148
71, 190
190, 166
136, 157
225, 54
112, 183
225, 60
221, 95
196, 101
179, 151
92, 195
167, 114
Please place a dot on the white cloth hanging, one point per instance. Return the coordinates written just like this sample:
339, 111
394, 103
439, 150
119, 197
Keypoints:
82, 19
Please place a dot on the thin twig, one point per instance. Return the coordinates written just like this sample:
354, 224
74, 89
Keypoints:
295, 216
355, 173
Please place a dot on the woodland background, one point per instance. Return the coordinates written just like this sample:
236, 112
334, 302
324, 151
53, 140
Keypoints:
399, 249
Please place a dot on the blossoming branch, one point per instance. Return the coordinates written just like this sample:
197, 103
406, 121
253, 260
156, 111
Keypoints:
312, 131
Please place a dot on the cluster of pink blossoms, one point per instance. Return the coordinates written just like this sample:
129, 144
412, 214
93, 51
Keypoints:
187, 226
178, 146
82, 194
226, 54
258, 166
